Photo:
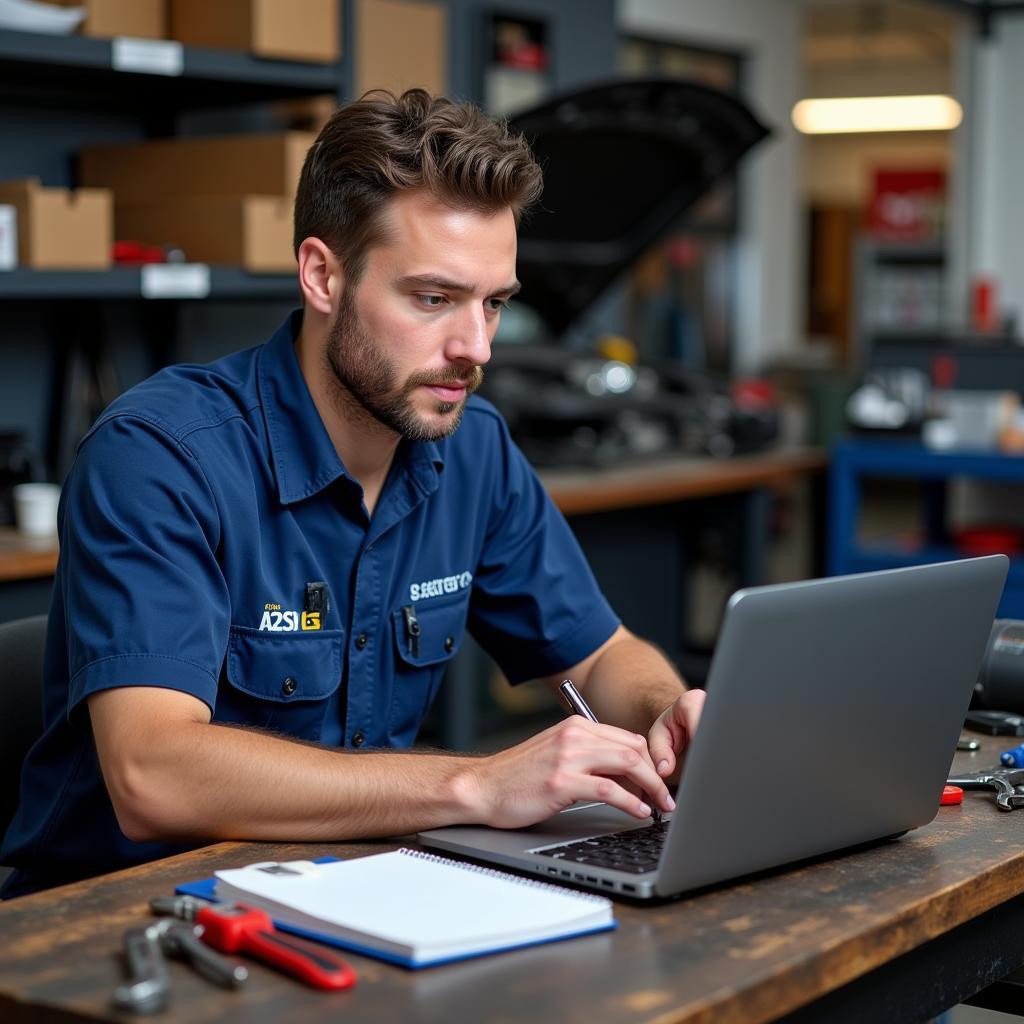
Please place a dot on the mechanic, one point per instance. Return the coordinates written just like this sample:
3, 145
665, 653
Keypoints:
267, 562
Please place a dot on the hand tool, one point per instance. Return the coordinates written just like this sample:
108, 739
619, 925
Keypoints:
148, 989
183, 907
182, 941
1002, 780
236, 928
146, 949
233, 928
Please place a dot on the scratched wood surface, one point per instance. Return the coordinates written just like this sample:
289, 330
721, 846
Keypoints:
743, 953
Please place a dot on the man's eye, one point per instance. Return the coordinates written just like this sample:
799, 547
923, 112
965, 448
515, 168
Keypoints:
498, 304
431, 301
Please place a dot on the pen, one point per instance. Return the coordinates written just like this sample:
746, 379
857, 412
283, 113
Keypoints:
579, 706
575, 700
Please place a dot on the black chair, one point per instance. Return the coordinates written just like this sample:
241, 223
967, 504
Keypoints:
21, 703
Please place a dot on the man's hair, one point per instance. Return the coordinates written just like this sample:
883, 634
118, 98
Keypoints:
381, 145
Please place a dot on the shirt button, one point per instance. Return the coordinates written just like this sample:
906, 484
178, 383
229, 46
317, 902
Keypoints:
358, 739
361, 641
449, 644
289, 686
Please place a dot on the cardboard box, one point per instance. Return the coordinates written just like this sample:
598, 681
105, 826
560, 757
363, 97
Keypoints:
232, 165
285, 29
254, 232
143, 19
61, 229
401, 45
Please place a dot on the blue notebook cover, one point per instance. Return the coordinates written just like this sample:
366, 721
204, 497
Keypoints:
205, 888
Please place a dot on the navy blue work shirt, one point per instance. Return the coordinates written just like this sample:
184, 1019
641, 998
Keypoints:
201, 505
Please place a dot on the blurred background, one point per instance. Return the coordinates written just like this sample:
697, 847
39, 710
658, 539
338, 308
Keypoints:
771, 318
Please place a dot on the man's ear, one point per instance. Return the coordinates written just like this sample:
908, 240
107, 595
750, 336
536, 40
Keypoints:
320, 276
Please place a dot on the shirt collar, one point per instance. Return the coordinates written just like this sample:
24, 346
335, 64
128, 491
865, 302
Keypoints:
304, 457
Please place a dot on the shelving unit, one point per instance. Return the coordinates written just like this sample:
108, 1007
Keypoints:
899, 290
149, 84
32, 62
854, 461
227, 283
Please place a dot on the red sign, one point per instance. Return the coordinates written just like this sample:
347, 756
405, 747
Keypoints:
907, 205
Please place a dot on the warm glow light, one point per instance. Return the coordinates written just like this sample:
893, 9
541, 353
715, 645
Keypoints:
877, 114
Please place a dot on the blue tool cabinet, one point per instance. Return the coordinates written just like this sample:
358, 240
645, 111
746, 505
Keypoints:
854, 460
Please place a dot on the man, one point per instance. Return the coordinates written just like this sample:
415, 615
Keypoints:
267, 562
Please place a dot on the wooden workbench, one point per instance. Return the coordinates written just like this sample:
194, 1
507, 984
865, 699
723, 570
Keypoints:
665, 481
895, 932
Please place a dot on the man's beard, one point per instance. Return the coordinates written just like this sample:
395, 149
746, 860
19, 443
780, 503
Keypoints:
371, 381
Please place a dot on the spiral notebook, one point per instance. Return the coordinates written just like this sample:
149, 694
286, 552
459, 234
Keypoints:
414, 908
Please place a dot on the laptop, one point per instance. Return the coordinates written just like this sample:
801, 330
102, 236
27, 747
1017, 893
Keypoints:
832, 714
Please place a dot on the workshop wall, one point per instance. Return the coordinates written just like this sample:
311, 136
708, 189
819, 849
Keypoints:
771, 258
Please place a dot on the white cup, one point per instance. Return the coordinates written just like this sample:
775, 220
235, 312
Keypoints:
35, 509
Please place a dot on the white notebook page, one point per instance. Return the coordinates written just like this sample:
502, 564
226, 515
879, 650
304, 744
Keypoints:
421, 901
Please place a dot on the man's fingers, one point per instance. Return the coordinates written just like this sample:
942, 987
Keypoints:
632, 769
663, 744
610, 792
673, 730
579, 731
574, 760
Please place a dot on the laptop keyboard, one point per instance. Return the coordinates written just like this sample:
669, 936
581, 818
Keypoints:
635, 851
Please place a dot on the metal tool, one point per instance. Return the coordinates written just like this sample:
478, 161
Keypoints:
1003, 780
146, 951
149, 983
182, 941
231, 928
183, 907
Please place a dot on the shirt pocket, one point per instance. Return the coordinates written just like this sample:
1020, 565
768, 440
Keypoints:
280, 681
427, 637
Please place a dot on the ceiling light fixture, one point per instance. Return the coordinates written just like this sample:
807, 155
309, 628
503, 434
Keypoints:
933, 113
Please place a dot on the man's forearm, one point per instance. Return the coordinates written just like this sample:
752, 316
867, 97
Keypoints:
217, 782
631, 683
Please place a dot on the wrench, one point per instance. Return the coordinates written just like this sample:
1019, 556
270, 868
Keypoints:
1002, 780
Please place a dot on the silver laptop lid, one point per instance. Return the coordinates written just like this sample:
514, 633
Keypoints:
832, 716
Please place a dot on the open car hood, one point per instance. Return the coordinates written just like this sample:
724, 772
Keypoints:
621, 163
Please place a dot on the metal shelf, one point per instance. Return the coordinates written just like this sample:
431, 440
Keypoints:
126, 283
37, 64
854, 461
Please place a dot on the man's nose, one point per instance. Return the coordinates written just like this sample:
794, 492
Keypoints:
470, 339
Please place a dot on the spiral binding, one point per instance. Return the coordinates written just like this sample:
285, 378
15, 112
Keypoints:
533, 883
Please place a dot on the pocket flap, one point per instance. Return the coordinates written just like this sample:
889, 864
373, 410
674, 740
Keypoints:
439, 636
285, 667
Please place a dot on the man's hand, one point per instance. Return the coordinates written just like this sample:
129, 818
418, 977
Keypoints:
672, 732
573, 760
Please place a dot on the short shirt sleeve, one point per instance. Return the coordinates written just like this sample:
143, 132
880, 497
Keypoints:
145, 599
536, 607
